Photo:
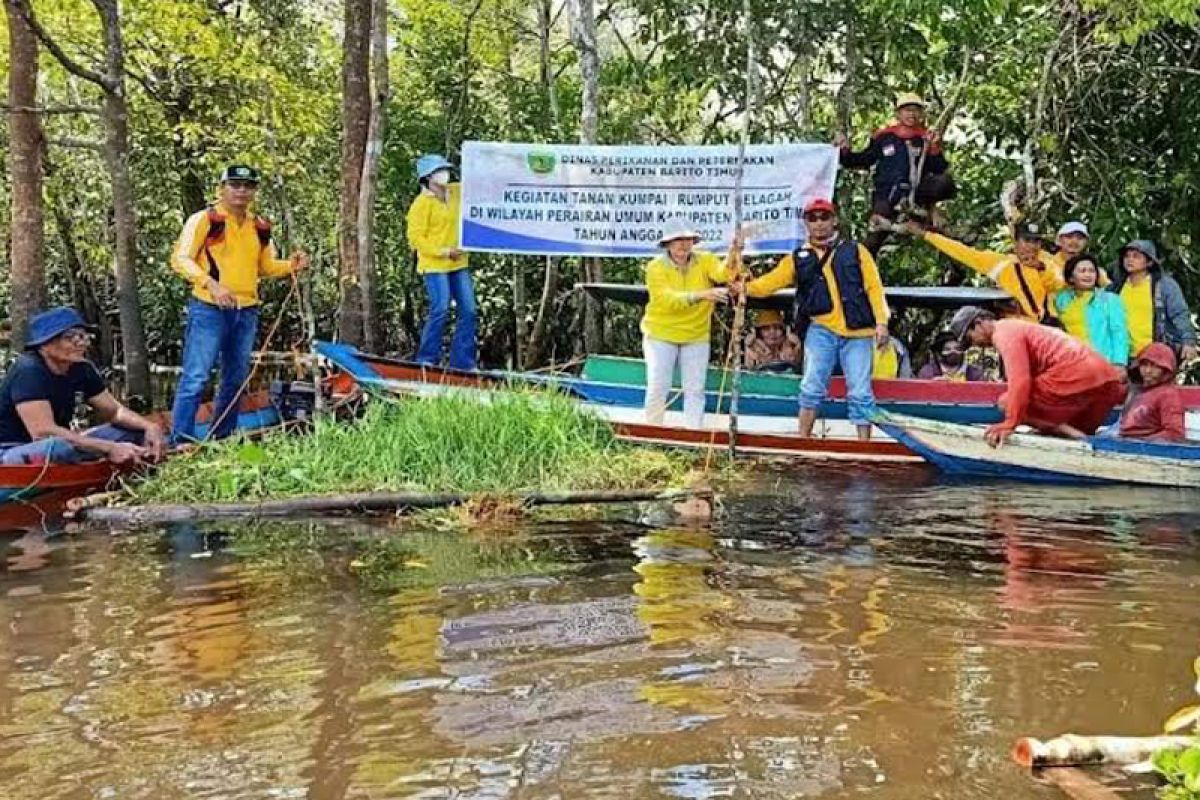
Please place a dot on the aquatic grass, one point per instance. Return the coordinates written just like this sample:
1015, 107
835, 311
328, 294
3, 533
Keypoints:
513, 442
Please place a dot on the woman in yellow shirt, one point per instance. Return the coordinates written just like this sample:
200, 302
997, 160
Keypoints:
433, 222
683, 286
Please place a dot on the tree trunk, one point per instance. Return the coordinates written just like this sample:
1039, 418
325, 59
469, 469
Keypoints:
115, 115
536, 353
583, 35
545, 65
369, 184
520, 314
27, 276
356, 114
116, 152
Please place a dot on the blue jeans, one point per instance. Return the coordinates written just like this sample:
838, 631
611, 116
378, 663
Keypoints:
823, 350
212, 334
58, 451
441, 287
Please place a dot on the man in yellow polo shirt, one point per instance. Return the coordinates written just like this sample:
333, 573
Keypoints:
222, 252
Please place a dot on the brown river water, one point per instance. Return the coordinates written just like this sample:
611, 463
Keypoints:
837, 633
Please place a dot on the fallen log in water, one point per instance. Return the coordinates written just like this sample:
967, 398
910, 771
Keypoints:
363, 501
1074, 750
1078, 785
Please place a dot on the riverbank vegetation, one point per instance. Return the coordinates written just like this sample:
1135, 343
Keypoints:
516, 442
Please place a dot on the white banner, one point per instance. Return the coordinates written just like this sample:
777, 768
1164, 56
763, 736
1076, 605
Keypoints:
553, 199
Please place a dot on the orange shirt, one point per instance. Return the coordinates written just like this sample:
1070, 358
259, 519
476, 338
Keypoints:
1058, 363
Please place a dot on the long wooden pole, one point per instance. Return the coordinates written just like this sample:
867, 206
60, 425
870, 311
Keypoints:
358, 502
739, 311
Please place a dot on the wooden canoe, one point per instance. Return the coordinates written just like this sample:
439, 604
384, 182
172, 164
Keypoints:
961, 450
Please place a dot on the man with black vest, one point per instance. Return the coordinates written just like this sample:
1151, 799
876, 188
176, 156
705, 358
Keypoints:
840, 312
223, 251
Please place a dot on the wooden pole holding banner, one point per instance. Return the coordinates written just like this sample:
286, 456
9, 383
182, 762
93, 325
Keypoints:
739, 311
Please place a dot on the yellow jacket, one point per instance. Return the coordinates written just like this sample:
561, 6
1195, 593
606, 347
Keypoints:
784, 275
433, 230
241, 259
1028, 286
674, 314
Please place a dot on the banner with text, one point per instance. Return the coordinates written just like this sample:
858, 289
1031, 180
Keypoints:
541, 199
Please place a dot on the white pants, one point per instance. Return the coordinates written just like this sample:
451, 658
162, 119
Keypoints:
661, 358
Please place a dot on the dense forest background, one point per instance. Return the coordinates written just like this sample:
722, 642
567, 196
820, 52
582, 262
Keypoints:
121, 113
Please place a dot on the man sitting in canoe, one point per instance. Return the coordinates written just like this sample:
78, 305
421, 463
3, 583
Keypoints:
37, 402
840, 303
1056, 383
1155, 410
771, 347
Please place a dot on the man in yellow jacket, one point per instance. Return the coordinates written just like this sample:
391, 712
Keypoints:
839, 295
1028, 274
223, 252
433, 222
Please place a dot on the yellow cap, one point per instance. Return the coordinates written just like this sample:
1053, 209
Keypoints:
767, 317
909, 99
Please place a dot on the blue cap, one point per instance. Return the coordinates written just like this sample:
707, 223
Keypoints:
427, 165
55, 322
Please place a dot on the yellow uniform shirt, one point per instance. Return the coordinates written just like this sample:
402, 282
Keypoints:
240, 257
784, 275
1074, 317
433, 230
1139, 314
1026, 285
673, 313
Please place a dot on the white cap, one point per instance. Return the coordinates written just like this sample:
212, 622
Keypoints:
1074, 226
679, 233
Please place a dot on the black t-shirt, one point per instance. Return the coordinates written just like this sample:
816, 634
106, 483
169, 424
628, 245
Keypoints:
30, 379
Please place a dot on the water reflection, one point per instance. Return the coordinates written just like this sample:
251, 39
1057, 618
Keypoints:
835, 634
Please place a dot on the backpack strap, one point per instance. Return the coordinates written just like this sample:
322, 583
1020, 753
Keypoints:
1038, 309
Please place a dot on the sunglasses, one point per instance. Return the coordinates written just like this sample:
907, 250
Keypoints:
818, 216
247, 185
77, 335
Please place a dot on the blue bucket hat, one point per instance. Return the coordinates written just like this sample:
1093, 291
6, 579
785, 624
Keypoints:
429, 164
55, 322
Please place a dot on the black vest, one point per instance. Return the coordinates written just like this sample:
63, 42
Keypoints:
813, 297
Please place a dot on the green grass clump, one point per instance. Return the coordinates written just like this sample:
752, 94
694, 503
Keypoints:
515, 442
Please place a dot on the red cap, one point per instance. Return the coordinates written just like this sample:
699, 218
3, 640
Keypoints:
820, 204
1160, 355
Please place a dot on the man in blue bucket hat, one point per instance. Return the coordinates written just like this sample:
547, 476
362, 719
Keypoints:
38, 396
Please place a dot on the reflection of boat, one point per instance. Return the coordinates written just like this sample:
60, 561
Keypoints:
31, 493
961, 450
758, 434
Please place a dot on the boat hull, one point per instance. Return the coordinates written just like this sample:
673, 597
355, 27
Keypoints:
961, 450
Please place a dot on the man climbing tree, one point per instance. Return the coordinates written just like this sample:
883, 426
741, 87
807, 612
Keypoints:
911, 173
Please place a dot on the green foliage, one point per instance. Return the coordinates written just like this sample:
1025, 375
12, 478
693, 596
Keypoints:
1181, 771
254, 80
513, 443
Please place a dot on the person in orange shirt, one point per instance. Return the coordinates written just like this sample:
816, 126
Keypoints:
1056, 383
840, 303
223, 252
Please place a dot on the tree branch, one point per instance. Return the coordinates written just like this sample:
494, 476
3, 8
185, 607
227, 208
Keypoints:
68, 63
